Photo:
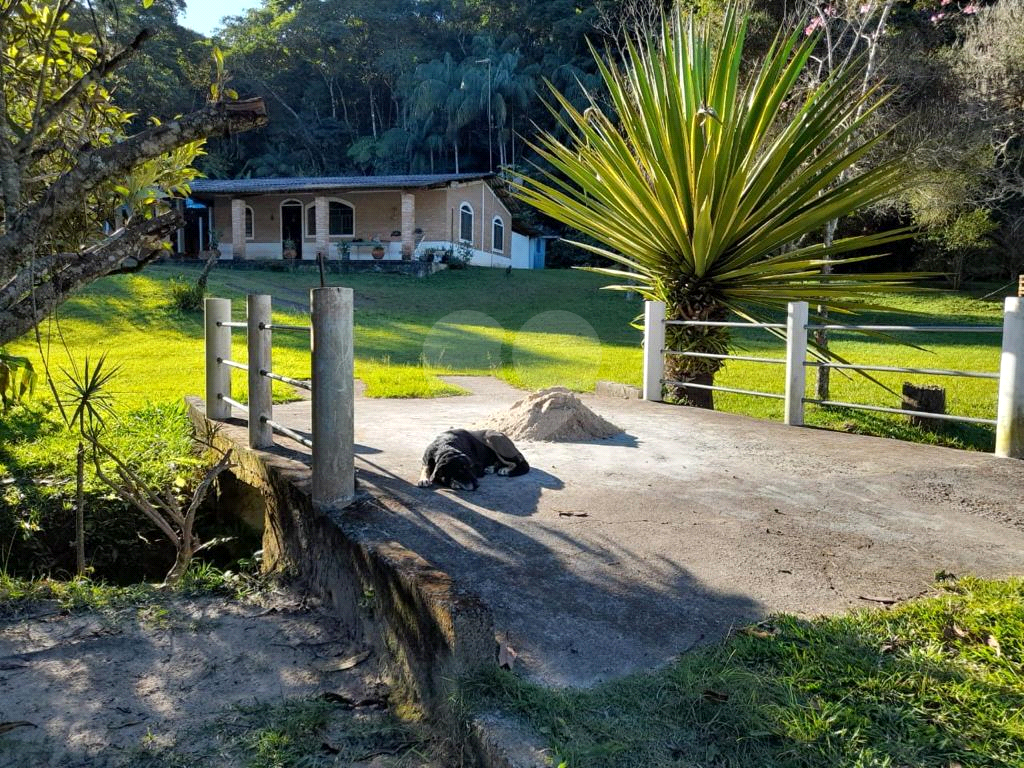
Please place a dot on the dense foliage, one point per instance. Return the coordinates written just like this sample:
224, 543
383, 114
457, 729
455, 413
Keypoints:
79, 197
406, 86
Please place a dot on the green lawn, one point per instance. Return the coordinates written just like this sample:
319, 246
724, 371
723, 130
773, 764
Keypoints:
533, 329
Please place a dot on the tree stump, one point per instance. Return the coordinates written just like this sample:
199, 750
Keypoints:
926, 399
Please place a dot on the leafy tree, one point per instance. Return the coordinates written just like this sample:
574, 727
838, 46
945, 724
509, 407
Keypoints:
701, 182
66, 162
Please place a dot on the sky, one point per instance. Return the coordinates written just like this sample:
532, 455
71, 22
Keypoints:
204, 15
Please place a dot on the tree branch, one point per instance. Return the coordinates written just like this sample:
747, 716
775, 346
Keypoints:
98, 71
101, 165
41, 286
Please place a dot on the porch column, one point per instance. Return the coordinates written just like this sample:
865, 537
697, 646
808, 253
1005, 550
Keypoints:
408, 225
237, 228
180, 241
323, 226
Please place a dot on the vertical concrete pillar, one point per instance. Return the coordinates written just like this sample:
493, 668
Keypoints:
237, 228
1010, 415
333, 433
323, 226
218, 347
261, 434
654, 349
180, 235
796, 355
408, 225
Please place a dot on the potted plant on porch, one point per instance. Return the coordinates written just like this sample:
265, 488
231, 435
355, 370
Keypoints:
378, 249
288, 248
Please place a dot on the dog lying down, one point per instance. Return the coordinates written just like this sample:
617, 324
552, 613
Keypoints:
456, 458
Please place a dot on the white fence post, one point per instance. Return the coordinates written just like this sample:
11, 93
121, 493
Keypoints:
261, 434
1010, 415
333, 433
796, 354
218, 347
654, 346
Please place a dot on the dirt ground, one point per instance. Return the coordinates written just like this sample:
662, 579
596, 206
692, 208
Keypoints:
205, 681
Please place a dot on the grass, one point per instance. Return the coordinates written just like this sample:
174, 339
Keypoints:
935, 683
19, 595
306, 733
533, 329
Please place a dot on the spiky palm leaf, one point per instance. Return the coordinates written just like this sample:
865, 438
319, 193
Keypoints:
706, 175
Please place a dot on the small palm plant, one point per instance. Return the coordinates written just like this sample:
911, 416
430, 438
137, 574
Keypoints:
703, 181
91, 403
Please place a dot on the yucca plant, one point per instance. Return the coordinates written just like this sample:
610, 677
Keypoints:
705, 174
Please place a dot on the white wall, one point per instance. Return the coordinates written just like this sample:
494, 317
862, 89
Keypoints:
520, 251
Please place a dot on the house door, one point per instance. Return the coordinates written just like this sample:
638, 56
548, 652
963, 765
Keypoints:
291, 226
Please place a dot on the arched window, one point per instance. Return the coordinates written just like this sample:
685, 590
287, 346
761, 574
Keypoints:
466, 223
340, 219
498, 235
250, 223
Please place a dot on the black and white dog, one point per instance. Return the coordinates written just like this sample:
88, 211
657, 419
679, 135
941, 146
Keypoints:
456, 458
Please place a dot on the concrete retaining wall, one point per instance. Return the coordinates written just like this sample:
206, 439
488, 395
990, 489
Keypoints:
387, 597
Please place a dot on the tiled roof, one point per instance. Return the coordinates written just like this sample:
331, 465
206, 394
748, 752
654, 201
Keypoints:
311, 183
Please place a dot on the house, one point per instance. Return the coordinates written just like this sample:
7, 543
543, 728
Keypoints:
354, 217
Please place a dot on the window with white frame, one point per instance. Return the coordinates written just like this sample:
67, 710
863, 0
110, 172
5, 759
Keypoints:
340, 219
498, 235
466, 223
250, 224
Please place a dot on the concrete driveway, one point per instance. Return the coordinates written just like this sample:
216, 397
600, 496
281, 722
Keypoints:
615, 556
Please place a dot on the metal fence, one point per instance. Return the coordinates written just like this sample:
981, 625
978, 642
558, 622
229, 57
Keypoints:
1009, 420
331, 383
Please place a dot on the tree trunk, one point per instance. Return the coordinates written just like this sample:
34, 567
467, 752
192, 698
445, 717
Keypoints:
693, 304
80, 512
821, 337
181, 563
697, 398
926, 399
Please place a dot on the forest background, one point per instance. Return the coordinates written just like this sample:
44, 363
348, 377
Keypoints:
381, 87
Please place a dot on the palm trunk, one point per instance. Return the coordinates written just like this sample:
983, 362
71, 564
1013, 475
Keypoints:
683, 370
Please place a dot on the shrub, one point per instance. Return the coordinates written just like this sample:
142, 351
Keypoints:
186, 296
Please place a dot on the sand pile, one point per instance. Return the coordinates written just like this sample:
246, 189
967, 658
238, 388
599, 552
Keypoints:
555, 415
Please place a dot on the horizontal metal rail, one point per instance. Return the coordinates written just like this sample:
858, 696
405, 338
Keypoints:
903, 411
223, 324
892, 369
276, 327
287, 380
673, 353
287, 432
910, 328
724, 324
233, 364
233, 403
724, 389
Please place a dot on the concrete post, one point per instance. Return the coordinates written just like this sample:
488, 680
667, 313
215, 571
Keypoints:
323, 226
218, 347
261, 434
333, 433
796, 355
180, 234
654, 349
237, 228
1010, 415
408, 225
